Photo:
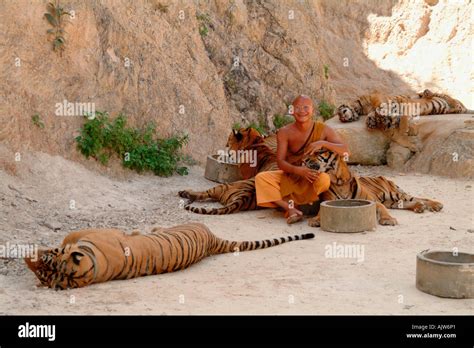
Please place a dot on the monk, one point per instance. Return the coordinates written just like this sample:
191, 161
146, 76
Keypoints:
294, 185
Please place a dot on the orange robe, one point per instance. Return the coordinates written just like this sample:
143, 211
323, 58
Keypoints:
276, 185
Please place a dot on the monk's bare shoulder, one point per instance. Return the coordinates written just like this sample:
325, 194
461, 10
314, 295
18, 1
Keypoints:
284, 132
288, 130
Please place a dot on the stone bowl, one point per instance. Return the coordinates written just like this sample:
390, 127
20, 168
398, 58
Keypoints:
220, 171
445, 273
348, 215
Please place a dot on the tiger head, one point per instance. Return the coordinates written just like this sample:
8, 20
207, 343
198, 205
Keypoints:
349, 113
325, 161
62, 268
243, 138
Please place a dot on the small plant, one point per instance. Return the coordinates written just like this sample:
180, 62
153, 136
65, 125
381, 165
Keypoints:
55, 16
282, 120
162, 8
326, 71
37, 121
204, 21
326, 110
230, 84
139, 149
260, 127
236, 126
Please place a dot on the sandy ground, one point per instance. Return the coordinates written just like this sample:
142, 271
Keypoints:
295, 278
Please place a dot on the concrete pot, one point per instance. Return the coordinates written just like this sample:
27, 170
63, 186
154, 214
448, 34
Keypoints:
221, 172
445, 274
348, 215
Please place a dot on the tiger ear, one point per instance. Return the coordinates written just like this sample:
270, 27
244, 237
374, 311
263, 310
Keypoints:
76, 257
343, 174
239, 136
34, 262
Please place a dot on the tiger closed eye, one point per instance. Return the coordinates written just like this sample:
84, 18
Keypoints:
76, 257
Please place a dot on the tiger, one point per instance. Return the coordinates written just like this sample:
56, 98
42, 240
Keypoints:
345, 185
394, 114
386, 112
93, 256
239, 195
250, 139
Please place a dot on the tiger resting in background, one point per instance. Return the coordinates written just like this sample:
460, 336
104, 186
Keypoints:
393, 114
239, 195
346, 185
99, 255
385, 112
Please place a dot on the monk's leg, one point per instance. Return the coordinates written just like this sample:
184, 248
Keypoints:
267, 186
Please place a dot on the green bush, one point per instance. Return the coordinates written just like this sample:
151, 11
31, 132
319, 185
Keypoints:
260, 127
139, 149
326, 110
282, 120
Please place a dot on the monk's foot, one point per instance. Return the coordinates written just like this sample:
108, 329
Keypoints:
294, 215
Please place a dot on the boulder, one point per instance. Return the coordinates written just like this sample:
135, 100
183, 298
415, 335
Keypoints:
366, 147
397, 155
448, 147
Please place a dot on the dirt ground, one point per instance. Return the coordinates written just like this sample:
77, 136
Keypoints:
51, 196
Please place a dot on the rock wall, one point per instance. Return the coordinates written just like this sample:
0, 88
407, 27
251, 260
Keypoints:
198, 67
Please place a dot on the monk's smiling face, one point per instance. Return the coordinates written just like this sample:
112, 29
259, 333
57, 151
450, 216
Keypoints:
302, 109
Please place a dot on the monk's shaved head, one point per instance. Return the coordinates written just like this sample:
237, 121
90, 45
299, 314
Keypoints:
302, 98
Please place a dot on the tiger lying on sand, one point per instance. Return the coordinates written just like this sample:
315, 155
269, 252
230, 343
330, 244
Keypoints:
346, 185
239, 195
99, 255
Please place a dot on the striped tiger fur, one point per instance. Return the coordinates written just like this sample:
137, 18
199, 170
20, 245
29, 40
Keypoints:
99, 255
239, 195
385, 112
346, 185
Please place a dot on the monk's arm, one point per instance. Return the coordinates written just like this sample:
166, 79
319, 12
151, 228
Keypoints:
331, 141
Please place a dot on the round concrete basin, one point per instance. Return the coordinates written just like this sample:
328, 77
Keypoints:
348, 215
445, 273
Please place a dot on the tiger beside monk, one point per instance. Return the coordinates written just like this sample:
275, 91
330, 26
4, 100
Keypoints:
346, 185
239, 195
98, 255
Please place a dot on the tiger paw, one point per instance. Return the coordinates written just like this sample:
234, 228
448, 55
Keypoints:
184, 194
419, 207
388, 221
434, 206
314, 222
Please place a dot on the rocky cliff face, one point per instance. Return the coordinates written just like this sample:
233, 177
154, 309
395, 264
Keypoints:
198, 67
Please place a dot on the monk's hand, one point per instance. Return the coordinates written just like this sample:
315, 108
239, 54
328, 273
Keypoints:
307, 173
313, 147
